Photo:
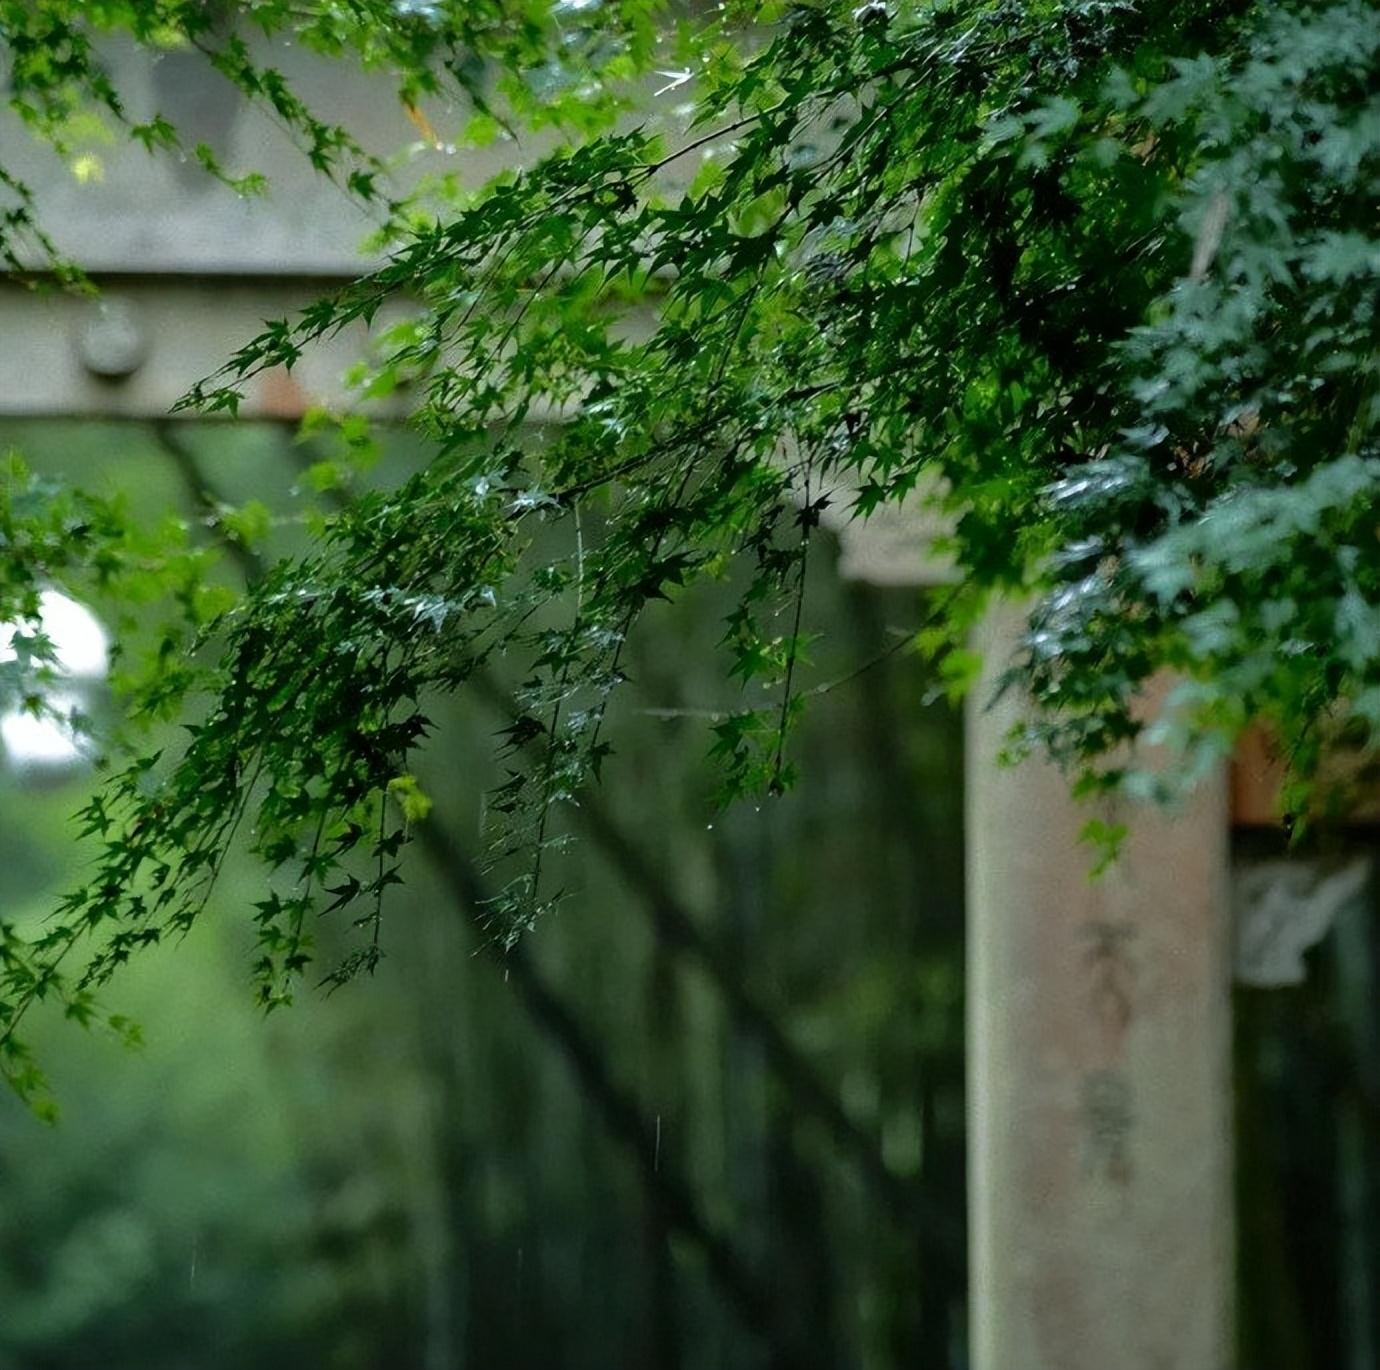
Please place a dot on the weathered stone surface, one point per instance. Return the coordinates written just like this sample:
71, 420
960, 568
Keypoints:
167, 335
1099, 1107
139, 213
895, 545
136, 213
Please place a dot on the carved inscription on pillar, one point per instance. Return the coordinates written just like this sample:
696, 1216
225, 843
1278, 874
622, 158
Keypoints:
1107, 1099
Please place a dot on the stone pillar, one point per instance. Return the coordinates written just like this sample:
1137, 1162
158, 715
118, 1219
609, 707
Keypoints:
1098, 1067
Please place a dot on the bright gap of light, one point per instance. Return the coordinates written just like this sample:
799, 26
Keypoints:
82, 654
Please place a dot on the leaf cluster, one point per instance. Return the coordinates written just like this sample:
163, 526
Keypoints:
1104, 271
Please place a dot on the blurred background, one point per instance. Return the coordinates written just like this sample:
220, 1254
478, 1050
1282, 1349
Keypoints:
710, 1115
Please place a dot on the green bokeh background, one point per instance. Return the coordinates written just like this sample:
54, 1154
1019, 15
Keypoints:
434, 1168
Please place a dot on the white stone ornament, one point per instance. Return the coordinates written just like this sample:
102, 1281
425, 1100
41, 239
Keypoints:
113, 341
1281, 908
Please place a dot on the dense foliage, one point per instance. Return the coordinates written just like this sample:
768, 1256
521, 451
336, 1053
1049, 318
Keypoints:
721, 1119
1104, 271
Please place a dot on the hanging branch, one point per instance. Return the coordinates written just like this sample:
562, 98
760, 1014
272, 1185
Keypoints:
618, 1110
679, 930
